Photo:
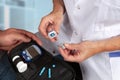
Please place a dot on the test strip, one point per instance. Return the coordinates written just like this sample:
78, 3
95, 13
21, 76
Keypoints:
42, 71
49, 73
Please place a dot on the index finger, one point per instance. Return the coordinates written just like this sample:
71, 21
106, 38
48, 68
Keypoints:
66, 55
31, 35
43, 28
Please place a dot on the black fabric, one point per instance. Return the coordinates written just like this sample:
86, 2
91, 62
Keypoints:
6, 70
77, 70
61, 71
2, 53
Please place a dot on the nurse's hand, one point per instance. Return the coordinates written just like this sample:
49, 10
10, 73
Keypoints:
12, 37
81, 51
49, 23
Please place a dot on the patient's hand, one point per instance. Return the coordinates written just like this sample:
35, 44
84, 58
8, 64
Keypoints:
12, 37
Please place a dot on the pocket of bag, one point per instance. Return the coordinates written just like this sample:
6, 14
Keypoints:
55, 70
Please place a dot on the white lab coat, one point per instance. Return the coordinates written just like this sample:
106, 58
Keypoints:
91, 20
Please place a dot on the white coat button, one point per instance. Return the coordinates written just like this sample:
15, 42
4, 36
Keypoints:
76, 33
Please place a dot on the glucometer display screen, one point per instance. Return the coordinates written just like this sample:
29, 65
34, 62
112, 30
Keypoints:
32, 51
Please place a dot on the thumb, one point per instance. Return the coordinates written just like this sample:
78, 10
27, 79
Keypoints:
57, 28
70, 46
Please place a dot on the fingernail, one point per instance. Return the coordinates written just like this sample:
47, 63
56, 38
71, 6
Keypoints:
28, 39
66, 44
62, 46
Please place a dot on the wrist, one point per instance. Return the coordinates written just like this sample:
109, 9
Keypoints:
100, 46
59, 10
58, 7
112, 43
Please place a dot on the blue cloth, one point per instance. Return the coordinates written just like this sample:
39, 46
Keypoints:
6, 71
114, 54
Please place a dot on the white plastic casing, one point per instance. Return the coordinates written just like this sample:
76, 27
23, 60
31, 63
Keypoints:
22, 67
52, 34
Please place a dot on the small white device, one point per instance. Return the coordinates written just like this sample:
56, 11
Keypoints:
52, 34
21, 66
62, 46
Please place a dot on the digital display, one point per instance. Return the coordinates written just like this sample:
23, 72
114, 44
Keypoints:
32, 51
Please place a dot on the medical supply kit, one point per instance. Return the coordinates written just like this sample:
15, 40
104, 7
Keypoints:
32, 62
